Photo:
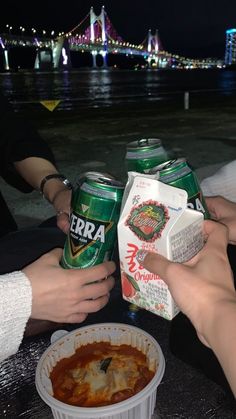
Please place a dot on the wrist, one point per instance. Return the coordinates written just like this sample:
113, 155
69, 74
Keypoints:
53, 189
51, 185
221, 337
216, 318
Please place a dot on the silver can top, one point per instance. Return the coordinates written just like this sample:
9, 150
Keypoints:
166, 165
102, 178
144, 143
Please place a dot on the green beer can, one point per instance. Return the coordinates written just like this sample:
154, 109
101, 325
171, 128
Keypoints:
93, 222
144, 154
178, 173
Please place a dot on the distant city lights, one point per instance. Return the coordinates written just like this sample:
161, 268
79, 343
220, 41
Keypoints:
230, 47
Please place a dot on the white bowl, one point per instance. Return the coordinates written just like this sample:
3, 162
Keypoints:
140, 406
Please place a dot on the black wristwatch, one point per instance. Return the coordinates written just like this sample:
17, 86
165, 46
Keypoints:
58, 176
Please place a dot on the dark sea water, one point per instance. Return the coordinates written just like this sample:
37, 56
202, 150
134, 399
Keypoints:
90, 88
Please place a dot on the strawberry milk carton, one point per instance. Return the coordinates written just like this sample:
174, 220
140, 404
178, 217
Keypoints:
154, 217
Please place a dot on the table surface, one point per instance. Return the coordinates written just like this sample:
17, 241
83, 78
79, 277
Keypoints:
183, 393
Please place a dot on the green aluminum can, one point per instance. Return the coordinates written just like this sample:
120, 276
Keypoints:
93, 223
178, 173
142, 155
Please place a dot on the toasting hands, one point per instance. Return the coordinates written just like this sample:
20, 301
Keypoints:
67, 295
224, 211
203, 289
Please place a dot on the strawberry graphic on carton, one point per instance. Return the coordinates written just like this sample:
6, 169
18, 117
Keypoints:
154, 217
147, 220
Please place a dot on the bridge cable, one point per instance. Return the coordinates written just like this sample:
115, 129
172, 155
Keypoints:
79, 24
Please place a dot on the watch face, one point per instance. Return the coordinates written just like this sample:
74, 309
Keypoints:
67, 183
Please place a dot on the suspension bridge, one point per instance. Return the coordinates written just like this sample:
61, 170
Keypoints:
96, 35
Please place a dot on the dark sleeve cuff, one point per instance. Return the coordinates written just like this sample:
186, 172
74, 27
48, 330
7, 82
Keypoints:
20, 143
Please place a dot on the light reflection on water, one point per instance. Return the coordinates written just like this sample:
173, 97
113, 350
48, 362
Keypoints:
105, 87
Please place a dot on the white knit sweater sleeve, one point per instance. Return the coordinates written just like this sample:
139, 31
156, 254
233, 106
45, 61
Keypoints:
15, 310
222, 182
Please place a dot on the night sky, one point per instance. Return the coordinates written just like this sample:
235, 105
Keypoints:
194, 28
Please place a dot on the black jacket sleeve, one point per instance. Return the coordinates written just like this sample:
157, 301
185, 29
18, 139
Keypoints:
18, 140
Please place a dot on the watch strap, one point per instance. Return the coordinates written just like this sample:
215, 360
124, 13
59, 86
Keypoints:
58, 176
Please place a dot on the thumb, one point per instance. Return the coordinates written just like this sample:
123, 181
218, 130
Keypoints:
154, 263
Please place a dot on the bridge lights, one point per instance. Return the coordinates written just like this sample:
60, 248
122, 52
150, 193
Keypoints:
9, 28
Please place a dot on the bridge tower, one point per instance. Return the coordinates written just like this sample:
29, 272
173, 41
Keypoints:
100, 19
61, 53
6, 61
55, 56
44, 59
5, 55
153, 47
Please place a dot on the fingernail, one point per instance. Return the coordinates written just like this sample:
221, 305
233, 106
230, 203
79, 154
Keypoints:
141, 254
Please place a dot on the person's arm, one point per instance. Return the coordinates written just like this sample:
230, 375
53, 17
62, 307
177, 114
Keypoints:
19, 140
15, 310
25, 159
222, 182
203, 289
33, 170
43, 290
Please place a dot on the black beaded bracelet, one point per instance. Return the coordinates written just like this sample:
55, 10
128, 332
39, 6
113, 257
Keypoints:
58, 176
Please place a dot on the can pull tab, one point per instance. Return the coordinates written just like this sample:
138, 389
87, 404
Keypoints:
143, 142
92, 175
